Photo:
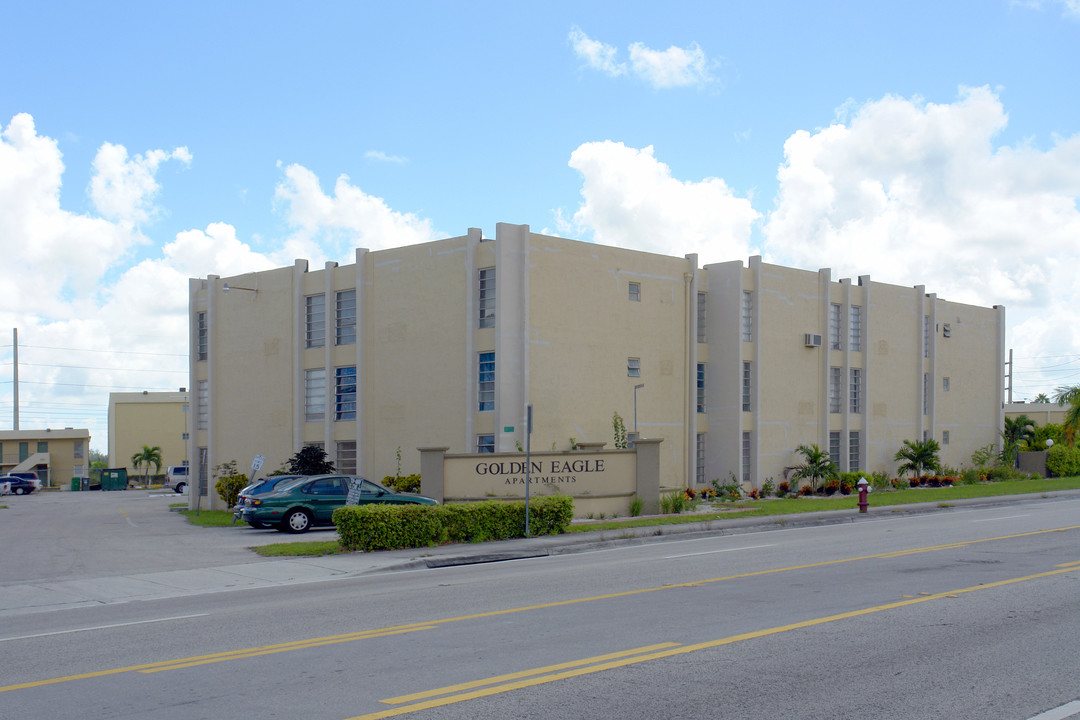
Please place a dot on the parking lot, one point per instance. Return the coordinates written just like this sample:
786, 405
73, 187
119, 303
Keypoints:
51, 536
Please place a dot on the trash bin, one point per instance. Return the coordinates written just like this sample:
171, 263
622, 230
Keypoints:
85, 483
76, 484
114, 479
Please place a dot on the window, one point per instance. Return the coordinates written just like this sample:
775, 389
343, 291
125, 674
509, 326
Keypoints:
200, 321
24, 451
204, 459
346, 318
486, 379
835, 375
856, 391
834, 327
345, 393
746, 386
853, 452
944, 437
315, 320
485, 443
701, 317
633, 367
486, 280
699, 455
315, 395
855, 339
945, 384
746, 457
202, 402
345, 462
926, 336
635, 292
926, 394
701, 387
77, 450
834, 448
42, 447
747, 316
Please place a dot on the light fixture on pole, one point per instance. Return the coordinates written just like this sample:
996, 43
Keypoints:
227, 287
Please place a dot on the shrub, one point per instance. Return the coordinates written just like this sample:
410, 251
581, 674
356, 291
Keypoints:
806, 490
673, 503
897, 483
970, 476
831, 488
768, 488
754, 494
636, 505
229, 486
403, 483
1063, 461
783, 489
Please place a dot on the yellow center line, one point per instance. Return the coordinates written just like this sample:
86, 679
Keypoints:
607, 662
313, 642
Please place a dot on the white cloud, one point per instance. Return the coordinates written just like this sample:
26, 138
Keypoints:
383, 157
630, 199
596, 54
674, 67
123, 190
349, 218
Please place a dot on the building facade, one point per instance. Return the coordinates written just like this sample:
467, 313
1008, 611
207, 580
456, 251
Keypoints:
445, 344
55, 455
155, 419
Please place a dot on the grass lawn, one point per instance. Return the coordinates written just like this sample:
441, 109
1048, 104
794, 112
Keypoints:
743, 508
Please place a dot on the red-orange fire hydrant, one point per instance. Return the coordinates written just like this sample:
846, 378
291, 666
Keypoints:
864, 488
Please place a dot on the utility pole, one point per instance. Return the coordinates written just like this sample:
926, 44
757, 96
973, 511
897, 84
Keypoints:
15, 376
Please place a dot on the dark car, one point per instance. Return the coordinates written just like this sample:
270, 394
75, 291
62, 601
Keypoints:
261, 486
305, 503
19, 485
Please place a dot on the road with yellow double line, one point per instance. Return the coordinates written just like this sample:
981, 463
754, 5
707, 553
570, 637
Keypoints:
959, 614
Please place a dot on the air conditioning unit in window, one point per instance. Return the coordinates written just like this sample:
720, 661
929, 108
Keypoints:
812, 340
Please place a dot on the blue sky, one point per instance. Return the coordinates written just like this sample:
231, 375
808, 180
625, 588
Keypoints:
926, 143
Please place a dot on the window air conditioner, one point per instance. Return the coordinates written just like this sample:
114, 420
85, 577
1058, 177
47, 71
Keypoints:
812, 340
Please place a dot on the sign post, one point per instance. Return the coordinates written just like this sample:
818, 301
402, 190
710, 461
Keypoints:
528, 461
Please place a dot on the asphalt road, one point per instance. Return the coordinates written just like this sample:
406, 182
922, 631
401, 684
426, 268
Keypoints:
959, 613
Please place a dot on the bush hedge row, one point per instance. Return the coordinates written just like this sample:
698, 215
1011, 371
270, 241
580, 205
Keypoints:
390, 527
1063, 461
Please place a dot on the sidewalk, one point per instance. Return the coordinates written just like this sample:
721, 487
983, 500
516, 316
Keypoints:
21, 598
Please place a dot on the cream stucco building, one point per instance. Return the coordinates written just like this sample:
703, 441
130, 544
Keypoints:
156, 419
56, 455
446, 343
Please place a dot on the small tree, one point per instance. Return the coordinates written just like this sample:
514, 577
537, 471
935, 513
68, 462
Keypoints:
817, 465
146, 457
619, 428
1069, 395
917, 456
310, 460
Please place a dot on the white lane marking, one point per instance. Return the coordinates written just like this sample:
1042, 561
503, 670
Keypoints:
1059, 713
710, 552
1006, 517
103, 627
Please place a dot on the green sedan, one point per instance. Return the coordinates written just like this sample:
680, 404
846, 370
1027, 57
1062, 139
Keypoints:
303, 504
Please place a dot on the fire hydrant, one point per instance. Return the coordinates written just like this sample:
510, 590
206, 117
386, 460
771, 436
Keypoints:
864, 489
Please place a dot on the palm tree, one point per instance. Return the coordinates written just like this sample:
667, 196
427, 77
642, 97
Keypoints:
1069, 395
1041, 398
817, 466
147, 456
917, 456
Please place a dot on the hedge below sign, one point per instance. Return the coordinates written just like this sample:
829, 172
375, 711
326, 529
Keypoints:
391, 527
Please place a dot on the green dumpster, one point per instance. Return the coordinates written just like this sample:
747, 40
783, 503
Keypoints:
76, 484
114, 479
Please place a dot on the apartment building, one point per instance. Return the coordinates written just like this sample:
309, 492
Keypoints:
56, 455
154, 419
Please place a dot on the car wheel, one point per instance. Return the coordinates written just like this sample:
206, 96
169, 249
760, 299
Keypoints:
18, 491
180, 488
260, 525
298, 521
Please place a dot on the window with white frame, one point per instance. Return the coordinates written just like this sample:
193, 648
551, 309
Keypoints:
315, 321
315, 395
346, 318
77, 450
834, 448
834, 327
486, 381
204, 475
854, 454
747, 316
699, 460
202, 405
926, 335
486, 281
485, 443
746, 457
747, 386
855, 338
634, 292
926, 394
633, 367
701, 337
945, 384
856, 391
345, 462
701, 387
200, 323
835, 382
345, 393
944, 437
